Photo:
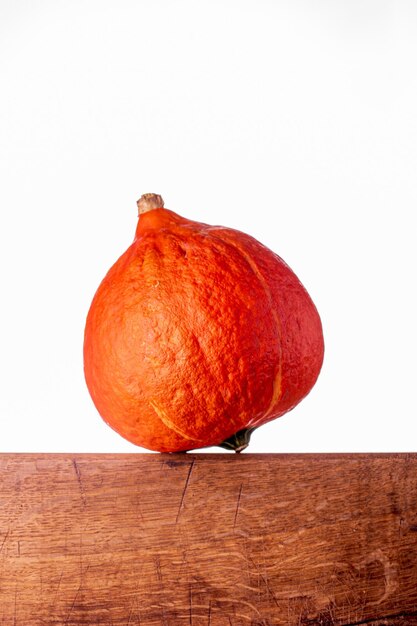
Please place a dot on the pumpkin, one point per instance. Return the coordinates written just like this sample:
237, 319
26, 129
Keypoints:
198, 335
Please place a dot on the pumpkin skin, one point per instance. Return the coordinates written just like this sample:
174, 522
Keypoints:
197, 335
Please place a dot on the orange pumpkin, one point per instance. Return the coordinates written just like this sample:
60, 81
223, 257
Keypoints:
197, 335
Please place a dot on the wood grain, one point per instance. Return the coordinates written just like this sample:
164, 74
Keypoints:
208, 540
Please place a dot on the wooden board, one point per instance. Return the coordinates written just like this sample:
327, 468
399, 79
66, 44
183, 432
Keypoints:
208, 540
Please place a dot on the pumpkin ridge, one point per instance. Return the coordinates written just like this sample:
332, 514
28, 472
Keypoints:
277, 384
178, 296
205, 358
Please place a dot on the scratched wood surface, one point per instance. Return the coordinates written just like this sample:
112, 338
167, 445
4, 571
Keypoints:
208, 540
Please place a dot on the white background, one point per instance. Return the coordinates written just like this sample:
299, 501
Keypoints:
293, 121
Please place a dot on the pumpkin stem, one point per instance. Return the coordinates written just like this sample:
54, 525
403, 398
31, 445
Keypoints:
149, 201
239, 441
